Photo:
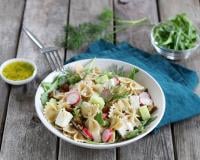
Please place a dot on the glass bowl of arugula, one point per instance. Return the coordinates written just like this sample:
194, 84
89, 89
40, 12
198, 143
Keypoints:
175, 39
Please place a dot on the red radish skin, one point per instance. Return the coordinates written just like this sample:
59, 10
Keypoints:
87, 133
117, 81
105, 115
145, 98
73, 98
105, 93
107, 135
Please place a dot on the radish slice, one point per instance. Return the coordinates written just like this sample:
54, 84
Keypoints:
116, 80
106, 94
107, 134
73, 98
87, 133
145, 98
104, 115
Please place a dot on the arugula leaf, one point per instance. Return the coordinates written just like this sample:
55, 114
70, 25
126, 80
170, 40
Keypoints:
132, 73
147, 122
44, 98
177, 33
100, 120
135, 132
46, 86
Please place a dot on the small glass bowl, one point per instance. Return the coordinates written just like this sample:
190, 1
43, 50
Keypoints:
173, 54
18, 82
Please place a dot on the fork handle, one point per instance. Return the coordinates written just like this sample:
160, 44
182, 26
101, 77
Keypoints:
33, 38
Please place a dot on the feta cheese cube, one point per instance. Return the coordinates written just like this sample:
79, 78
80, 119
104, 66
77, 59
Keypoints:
135, 101
125, 127
109, 84
63, 118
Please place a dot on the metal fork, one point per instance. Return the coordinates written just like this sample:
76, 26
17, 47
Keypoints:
51, 53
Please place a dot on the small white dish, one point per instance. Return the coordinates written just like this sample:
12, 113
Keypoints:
18, 82
142, 77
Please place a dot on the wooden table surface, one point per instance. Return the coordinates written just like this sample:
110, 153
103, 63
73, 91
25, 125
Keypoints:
23, 136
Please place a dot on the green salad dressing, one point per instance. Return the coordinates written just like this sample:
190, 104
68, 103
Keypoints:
18, 70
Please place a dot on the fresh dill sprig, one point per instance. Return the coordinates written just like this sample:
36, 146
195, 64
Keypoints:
81, 35
120, 71
71, 76
132, 73
119, 92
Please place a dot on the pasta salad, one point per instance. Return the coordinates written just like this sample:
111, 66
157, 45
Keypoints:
91, 105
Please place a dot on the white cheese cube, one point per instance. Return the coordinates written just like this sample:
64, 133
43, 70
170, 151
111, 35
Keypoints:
135, 101
63, 118
125, 127
96, 135
109, 84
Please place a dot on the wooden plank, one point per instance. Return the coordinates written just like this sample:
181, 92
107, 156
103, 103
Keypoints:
9, 29
136, 9
186, 133
85, 11
24, 136
154, 146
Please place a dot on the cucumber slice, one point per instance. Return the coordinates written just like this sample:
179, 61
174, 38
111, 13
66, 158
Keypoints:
102, 79
144, 112
96, 99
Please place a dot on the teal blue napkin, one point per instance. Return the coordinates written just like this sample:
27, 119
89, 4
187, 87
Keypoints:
177, 82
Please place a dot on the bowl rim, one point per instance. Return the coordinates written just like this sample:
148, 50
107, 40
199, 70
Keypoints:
102, 145
153, 41
18, 82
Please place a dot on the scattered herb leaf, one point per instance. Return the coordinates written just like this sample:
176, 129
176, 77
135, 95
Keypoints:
100, 120
84, 33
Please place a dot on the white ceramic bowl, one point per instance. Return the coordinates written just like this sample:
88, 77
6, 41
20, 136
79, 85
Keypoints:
18, 82
142, 77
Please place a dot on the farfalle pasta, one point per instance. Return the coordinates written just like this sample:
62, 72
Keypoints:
90, 105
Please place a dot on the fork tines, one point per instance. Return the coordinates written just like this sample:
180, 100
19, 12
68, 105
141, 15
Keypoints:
53, 58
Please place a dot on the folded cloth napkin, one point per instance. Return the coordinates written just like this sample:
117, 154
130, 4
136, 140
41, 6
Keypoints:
177, 82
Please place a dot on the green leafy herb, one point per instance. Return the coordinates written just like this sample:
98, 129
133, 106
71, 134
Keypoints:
120, 71
135, 132
109, 74
100, 120
116, 70
46, 86
44, 97
77, 117
71, 76
178, 33
132, 73
147, 122
92, 142
78, 36
119, 92
49, 87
